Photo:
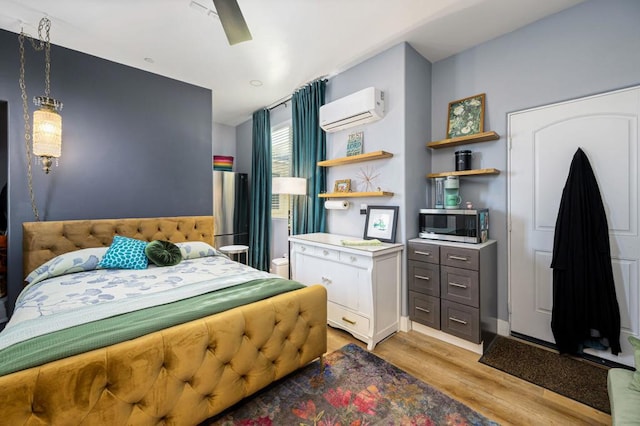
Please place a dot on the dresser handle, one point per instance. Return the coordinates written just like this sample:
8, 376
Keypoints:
353, 258
424, 253
326, 280
325, 252
462, 258
457, 285
420, 277
423, 309
303, 248
348, 321
458, 320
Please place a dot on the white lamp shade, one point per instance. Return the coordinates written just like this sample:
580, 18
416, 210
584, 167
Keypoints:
289, 185
47, 133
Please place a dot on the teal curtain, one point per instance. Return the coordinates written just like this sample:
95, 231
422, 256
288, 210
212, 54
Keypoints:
309, 147
260, 218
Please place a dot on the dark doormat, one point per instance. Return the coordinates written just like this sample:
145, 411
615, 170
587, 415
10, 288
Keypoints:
574, 378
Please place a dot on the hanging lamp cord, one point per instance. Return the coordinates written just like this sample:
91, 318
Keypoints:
41, 44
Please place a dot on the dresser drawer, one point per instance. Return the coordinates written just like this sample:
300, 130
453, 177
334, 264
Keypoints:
344, 318
460, 285
355, 260
424, 278
460, 320
424, 252
459, 257
424, 309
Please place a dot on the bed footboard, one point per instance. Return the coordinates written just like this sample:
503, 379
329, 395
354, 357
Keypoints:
179, 376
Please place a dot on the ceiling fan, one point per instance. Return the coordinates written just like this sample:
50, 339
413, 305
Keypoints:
233, 23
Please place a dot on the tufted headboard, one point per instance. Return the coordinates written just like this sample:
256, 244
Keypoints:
42, 241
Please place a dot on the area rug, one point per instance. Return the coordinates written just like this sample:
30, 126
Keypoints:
577, 379
355, 388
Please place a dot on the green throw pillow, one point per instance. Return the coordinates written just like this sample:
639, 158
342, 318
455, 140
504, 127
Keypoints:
163, 253
635, 383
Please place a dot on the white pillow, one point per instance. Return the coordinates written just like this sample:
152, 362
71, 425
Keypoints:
68, 263
196, 249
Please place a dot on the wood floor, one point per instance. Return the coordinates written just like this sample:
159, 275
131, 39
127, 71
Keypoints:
457, 373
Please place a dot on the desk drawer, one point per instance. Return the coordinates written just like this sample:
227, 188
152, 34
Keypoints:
424, 278
424, 309
460, 285
424, 252
460, 320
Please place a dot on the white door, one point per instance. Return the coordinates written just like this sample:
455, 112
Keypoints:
542, 143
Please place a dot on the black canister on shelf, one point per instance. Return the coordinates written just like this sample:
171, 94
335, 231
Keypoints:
463, 160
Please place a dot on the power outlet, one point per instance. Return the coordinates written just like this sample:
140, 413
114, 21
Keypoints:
363, 209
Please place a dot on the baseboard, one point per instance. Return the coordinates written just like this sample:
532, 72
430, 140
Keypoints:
504, 328
405, 324
448, 338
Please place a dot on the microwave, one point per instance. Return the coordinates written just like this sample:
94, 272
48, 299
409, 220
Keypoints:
462, 225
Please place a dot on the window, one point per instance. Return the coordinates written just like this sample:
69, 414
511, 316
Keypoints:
280, 166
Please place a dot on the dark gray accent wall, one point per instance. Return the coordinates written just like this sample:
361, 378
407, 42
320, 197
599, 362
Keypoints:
135, 144
590, 48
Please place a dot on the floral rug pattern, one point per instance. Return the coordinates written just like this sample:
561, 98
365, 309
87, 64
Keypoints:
356, 388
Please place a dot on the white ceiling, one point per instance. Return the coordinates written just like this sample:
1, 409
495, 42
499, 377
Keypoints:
294, 41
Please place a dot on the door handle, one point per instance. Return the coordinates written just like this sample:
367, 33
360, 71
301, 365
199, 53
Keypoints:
424, 253
457, 285
418, 308
326, 280
421, 277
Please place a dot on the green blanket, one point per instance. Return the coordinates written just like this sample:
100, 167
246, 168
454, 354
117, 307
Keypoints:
98, 334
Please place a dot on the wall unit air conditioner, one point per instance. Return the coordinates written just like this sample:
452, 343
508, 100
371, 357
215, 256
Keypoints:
361, 107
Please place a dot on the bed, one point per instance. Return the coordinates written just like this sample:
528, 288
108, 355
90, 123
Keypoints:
179, 374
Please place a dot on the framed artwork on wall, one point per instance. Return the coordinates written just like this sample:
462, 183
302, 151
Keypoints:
466, 116
381, 223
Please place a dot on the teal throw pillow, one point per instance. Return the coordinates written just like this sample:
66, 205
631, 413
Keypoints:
125, 253
163, 253
635, 383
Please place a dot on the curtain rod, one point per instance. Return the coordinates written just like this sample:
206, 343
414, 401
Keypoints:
288, 98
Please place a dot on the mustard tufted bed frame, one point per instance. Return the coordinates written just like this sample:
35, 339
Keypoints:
177, 376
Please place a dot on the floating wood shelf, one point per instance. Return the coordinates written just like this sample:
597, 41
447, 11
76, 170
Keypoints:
355, 158
465, 173
462, 140
356, 194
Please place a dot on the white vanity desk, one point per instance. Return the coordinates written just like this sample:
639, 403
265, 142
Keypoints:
362, 282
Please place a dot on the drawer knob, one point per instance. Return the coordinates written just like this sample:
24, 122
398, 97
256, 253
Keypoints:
326, 280
424, 253
418, 308
457, 285
347, 320
461, 258
459, 321
303, 248
420, 277
325, 252
353, 258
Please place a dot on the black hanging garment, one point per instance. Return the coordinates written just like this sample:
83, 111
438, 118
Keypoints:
584, 294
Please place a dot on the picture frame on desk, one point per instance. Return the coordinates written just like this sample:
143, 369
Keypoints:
381, 223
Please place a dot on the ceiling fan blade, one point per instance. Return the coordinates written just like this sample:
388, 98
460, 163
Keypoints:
232, 21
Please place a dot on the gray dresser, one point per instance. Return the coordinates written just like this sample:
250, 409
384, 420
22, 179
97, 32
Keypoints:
453, 287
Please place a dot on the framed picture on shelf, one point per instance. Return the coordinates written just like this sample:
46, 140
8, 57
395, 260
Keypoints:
354, 144
342, 185
381, 223
466, 116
